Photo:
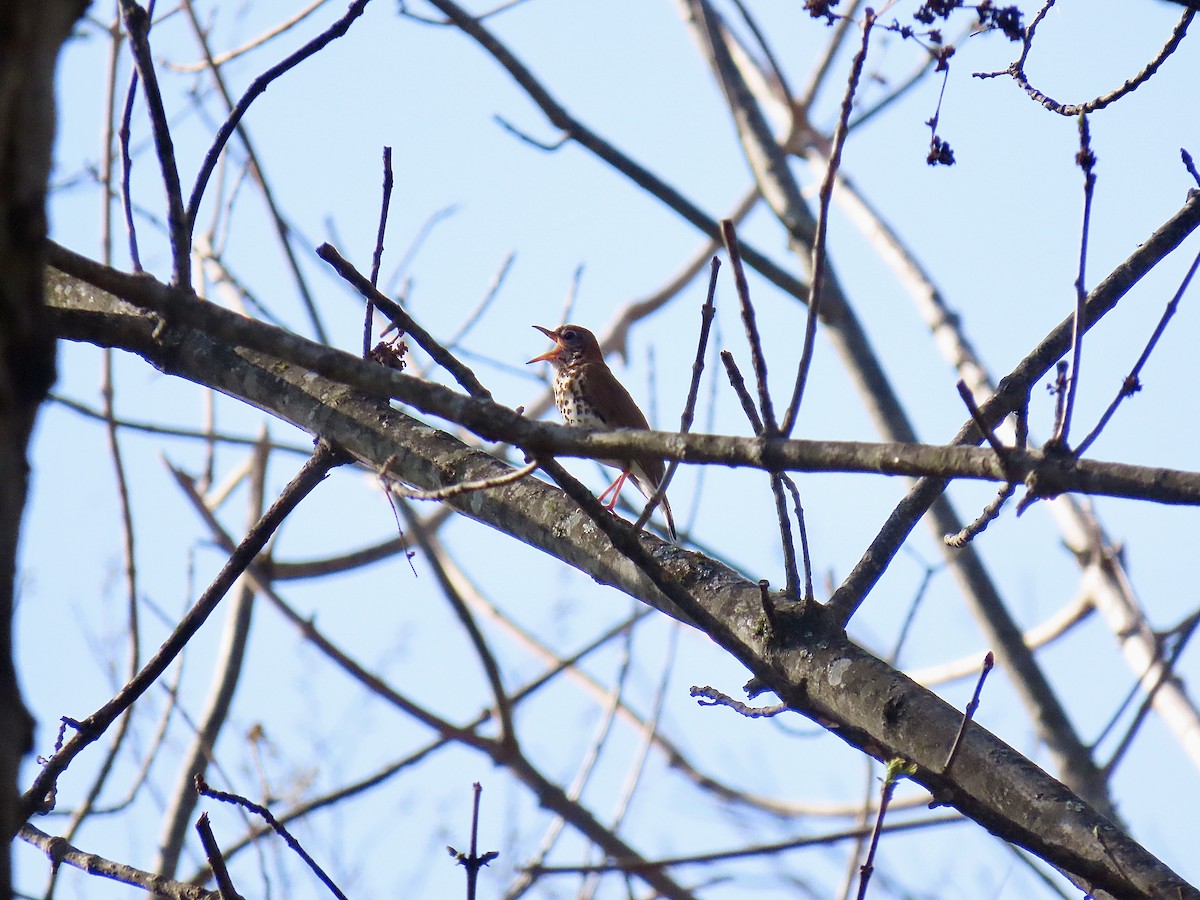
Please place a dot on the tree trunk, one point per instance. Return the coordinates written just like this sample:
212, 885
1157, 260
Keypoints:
31, 33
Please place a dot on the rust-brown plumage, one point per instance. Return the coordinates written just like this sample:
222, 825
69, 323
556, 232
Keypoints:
588, 395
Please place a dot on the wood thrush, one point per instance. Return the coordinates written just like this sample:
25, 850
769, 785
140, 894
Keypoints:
588, 395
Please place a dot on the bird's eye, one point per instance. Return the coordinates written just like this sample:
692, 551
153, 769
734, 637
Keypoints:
570, 334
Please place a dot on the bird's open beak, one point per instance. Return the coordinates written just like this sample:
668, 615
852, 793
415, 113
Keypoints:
549, 355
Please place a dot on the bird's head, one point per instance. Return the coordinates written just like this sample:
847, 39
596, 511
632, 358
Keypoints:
572, 345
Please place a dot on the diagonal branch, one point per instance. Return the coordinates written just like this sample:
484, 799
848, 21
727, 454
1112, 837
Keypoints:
40, 796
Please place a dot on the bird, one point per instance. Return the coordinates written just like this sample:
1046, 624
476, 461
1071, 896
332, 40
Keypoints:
588, 395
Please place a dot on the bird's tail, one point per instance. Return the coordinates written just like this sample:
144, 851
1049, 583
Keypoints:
666, 508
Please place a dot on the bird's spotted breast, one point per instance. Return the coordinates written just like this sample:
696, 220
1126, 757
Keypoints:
572, 403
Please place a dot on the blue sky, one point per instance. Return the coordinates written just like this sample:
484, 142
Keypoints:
999, 231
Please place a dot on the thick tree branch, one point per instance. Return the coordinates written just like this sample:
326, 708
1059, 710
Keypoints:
85, 314
60, 851
808, 662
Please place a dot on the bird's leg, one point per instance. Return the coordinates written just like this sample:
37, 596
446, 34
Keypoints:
615, 490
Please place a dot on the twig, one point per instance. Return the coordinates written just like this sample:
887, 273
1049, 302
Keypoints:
124, 133
787, 541
969, 532
390, 308
377, 257
454, 490
781, 82
819, 255
253, 44
850, 595
442, 23
729, 235
573, 295
283, 230
473, 862
902, 87
856, 850
257, 809
507, 741
990, 513
566, 664
687, 417
1190, 165
710, 426
914, 604
896, 769
989, 660
129, 552
940, 152
169, 431
769, 427
489, 295
984, 427
525, 137
574, 130
1182, 633
212, 852
766, 426
710, 696
768, 607
613, 703
1132, 383
257, 86
1017, 70
1026, 42
226, 675
1021, 424
805, 559
738, 383
415, 245
314, 471
772, 849
1087, 162
649, 732
1059, 389
137, 25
